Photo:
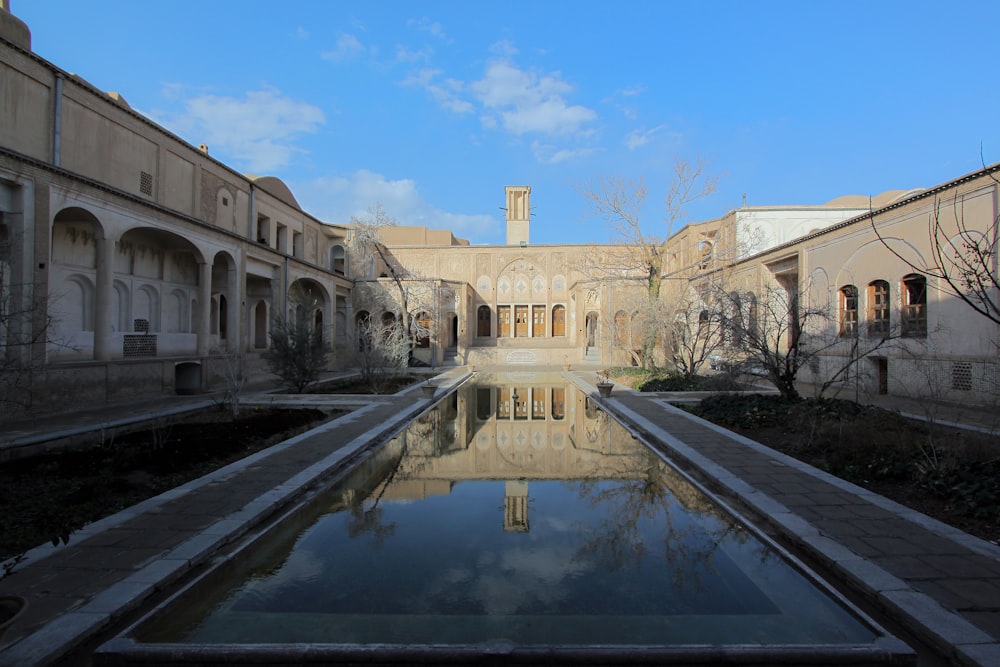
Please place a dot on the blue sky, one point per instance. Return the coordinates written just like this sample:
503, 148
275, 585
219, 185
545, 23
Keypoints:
432, 108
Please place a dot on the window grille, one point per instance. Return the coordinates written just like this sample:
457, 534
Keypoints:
961, 376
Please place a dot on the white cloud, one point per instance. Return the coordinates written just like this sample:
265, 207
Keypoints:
405, 55
446, 92
632, 91
639, 138
619, 98
348, 46
549, 154
335, 199
504, 48
426, 25
258, 131
301, 33
527, 102
520, 101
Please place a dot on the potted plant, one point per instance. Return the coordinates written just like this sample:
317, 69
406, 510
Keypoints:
604, 385
428, 388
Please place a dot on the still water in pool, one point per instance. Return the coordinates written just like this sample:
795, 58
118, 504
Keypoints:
518, 512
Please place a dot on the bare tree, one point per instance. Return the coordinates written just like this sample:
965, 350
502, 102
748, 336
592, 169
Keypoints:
963, 258
298, 353
25, 331
777, 333
767, 329
383, 351
641, 252
366, 244
234, 377
695, 332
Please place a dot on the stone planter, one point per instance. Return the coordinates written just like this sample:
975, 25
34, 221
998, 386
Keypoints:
428, 390
11, 608
605, 388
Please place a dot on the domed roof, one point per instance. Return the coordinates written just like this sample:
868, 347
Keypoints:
275, 186
878, 201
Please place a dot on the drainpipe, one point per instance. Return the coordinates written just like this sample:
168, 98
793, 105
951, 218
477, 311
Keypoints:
57, 120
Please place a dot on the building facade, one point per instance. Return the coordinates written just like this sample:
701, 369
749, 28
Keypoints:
135, 264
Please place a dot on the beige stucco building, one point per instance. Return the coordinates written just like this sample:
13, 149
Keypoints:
133, 261
136, 264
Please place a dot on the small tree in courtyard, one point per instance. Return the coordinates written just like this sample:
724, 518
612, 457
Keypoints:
777, 333
298, 354
409, 287
695, 332
642, 250
383, 351
25, 331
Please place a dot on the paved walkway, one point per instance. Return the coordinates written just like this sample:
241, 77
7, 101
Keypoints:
111, 567
939, 583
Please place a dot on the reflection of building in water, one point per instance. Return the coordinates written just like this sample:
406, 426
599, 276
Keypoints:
515, 506
517, 431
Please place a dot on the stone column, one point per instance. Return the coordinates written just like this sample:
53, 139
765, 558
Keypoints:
204, 308
234, 320
103, 298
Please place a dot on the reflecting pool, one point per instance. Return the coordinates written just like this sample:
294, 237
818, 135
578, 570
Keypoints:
513, 513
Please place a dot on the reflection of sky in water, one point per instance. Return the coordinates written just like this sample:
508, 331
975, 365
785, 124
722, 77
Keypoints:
618, 549
450, 554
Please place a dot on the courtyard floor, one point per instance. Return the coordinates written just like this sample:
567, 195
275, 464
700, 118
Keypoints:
936, 585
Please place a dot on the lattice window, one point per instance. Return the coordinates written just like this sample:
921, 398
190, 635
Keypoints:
914, 309
140, 325
145, 183
878, 308
961, 376
849, 311
139, 345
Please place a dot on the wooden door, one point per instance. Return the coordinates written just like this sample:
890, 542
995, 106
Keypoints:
503, 321
558, 321
520, 321
538, 320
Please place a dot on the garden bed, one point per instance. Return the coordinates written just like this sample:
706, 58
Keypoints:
950, 474
47, 497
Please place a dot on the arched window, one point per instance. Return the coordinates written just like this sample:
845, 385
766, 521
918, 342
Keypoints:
484, 318
704, 254
914, 311
621, 328
635, 331
736, 327
422, 330
848, 311
260, 325
878, 308
338, 260
362, 329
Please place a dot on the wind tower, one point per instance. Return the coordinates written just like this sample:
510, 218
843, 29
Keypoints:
518, 214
